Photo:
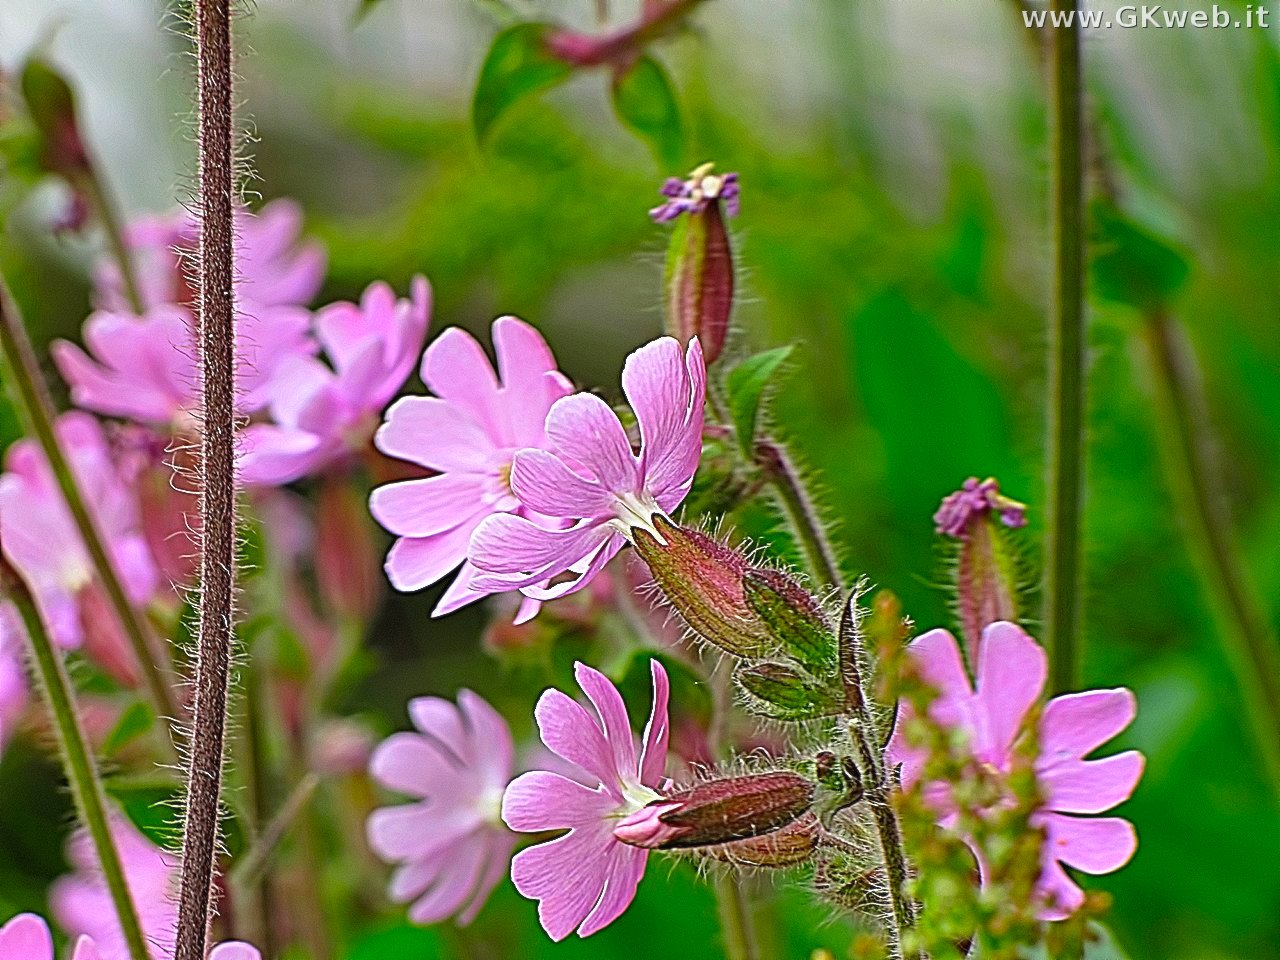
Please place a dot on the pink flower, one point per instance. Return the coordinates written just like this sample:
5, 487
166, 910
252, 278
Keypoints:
322, 415
42, 541
81, 902
26, 937
273, 268
13, 678
450, 844
586, 878
146, 368
590, 474
468, 432
1011, 671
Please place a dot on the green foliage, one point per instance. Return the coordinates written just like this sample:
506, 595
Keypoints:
517, 67
746, 385
644, 99
1132, 264
135, 720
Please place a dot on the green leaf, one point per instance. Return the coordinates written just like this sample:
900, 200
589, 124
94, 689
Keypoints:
746, 384
517, 66
644, 99
400, 942
786, 693
133, 723
1132, 264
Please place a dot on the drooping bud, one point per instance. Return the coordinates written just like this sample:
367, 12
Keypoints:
700, 274
52, 107
702, 579
787, 693
986, 566
791, 846
718, 812
792, 617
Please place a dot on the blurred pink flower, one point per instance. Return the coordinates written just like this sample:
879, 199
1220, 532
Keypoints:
450, 844
1011, 671
590, 474
145, 368
26, 937
468, 432
13, 679
42, 541
321, 414
586, 878
81, 902
273, 267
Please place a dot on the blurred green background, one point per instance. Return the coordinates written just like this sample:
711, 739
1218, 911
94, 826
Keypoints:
891, 154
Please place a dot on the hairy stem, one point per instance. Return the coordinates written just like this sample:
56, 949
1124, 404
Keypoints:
1194, 485
217, 479
32, 399
1067, 345
77, 758
735, 919
775, 463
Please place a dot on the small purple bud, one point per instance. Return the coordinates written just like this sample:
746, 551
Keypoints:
719, 811
973, 501
700, 273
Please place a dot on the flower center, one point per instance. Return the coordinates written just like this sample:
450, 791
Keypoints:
634, 511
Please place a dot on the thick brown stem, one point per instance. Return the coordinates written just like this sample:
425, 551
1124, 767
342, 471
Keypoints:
217, 489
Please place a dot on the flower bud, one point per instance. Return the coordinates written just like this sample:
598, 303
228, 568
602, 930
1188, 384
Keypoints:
986, 563
719, 811
699, 275
53, 111
346, 551
788, 694
792, 617
791, 846
702, 579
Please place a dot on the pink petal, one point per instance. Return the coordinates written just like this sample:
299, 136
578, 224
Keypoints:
544, 484
1011, 673
527, 553
234, 950
271, 455
937, 656
441, 720
584, 429
626, 869
492, 752
668, 394
26, 937
529, 378
612, 710
585, 569
498, 858
414, 563
540, 800
1077, 723
460, 592
423, 508
454, 885
653, 760
1091, 786
456, 369
567, 876
570, 731
411, 764
414, 831
1091, 844
1061, 894
434, 434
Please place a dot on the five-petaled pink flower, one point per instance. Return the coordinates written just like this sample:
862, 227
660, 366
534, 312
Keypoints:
590, 474
468, 432
42, 541
1011, 672
273, 266
146, 368
320, 414
586, 878
27, 937
450, 843
82, 904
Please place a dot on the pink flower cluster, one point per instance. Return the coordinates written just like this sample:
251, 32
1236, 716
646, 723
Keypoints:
26, 937
536, 488
1010, 673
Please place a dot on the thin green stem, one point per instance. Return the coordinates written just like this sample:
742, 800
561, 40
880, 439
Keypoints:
111, 226
254, 862
775, 463
32, 399
81, 771
1068, 337
1197, 490
735, 919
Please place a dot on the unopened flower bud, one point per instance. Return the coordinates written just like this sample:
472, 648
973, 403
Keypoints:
53, 111
792, 617
787, 693
700, 274
702, 579
346, 568
791, 846
719, 811
986, 564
